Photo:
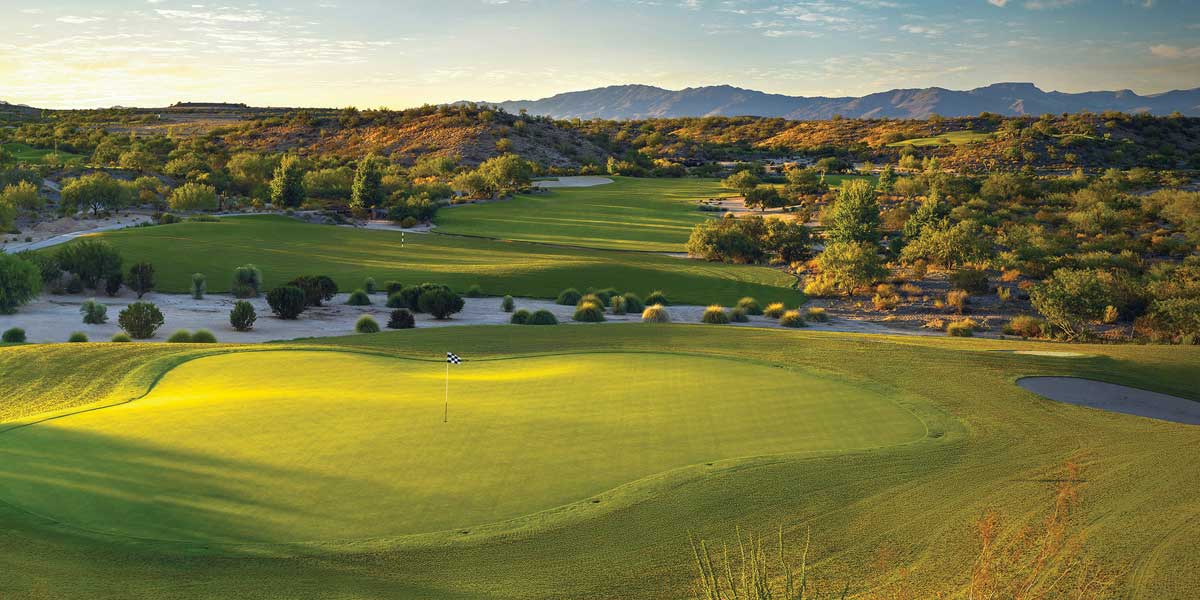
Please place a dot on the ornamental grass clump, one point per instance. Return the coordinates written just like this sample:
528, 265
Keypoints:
963, 328
568, 297
16, 335
792, 318
633, 303
542, 317
816, 315
589, 312
655, 314
521, 317
738, 314
774, 310
78, 337
359, 297
617, 305
750, 306
507, 304
182, 336
93, 312
366, 324
657, 297
401, 318
1026, 326
203, 336
715, 315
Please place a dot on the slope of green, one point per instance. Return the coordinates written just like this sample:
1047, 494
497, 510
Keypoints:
957, 138
628, 214
28, 154
902, 513
285, 248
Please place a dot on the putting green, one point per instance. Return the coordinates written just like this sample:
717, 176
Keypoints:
307, 445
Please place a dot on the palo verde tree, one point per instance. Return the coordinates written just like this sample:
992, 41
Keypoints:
855, 215
287, 188
742, 181
95, 191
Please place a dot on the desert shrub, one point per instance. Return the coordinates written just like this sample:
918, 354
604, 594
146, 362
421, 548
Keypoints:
738, 314
1110, 314
93, 312
91, 260
401, 318
963, 328
112, 284
359, 298
591, 298
243, 316
75, 286
397, 300
412, 294
247, 282
15, 335
816, 315
605, 295
408, 222
121, 338
957, 300
792, 318
474, 291
1026, 326
78, 337
182, 336
369, 285
715, 315
140, 278
657, 297
819, 287
617, 305
750, 306
521, 317
542, 317
199, 285
1004, 293
287, 301
568, 297
1070, 298
140, 320
203, 336
655, 313
366, 324
633, 303
316, 288
20, 282
885, 297
973, 281
392, 287
775, 310
589, 312
507, 304
440, 302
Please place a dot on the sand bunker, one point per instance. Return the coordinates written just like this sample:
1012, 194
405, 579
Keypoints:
1114, 398
576, 181
1053, 353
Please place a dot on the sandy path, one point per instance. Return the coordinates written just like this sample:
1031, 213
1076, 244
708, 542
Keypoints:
573, 181
53, 318
1114, 398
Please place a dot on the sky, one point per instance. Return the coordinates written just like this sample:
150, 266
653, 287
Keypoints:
402, 53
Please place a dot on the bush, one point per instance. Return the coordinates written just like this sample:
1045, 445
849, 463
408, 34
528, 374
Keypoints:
542, 317
885, 297
140, 320
792, 318
91, 260
1070, 298
397, 300
507, 304
243, 316
392, 287
20, 282
16, 335
589, 312
775, 310
738, 314
78, 337
816, 315
182, 336
93, 312
203, 336
963, 328
112, 285
369, 285
474, 291
971, 280
121, 338
521, 317
820, 287
957, 300
247, 282
359, 298
408, 222
657, 297
1026, 326
199, 285
569, 297
440, 302
605, 295
633, 303
366, 324
140, 278
715, 315
750, 306
401, 318
1111, 315
75, 286
316, 288
287, 301
655, 313
617, 304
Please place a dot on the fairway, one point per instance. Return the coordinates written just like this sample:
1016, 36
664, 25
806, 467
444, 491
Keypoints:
245, 447
286, 248
628, 214
952, 137
28, 154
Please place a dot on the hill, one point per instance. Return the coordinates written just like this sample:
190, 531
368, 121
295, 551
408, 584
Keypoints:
1010, 99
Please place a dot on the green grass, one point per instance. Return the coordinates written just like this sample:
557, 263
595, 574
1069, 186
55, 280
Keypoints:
285, 248
628, 214
28, 154
899, 512
957, 138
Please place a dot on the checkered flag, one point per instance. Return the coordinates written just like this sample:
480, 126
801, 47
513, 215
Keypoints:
452, 358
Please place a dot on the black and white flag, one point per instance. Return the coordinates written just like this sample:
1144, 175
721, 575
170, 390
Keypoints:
452, 358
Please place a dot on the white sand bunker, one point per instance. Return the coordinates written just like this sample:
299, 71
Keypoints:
575, 181
1054, 353
1114, 398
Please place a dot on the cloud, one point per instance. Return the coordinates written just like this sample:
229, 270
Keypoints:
1174, 52
924, 30
225, 16
1000, 3
1049, 4
74, 20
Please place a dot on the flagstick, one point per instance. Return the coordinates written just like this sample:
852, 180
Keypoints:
446, 411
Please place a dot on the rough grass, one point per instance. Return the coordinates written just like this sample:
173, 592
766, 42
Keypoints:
28, 154
286, 248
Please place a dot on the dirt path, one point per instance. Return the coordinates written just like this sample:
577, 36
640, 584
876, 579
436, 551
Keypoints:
1114, 398
61, 231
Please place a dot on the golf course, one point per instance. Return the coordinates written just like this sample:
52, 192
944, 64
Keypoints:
574, 462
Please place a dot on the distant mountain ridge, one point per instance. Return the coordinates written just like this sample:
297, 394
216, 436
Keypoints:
1010, 99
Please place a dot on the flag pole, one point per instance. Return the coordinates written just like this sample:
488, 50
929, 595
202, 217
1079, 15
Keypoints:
446, 410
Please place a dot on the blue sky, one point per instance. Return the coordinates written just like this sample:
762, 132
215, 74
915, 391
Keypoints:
372, 53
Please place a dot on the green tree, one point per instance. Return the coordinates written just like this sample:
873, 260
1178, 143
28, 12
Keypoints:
440, 302
367, 190
137, 159
855, 216
22, 195
931, 211
949, 245
90, 260
507, 173
287, 188
742, 181
887, 179
140, 320
193, 196
140, 278
95, 191
20, 282
848, 265
1070, 298
764, 197
805, 182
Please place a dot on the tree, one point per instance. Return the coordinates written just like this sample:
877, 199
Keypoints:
931, 212
367, 189
141, 278
507, 173
20, 282
887, 179
831, 164
855, 215
473, 184
949, 245
727, 240
742, 181
140, 320
789, 241
805, 182
90, 260
764, 197
850, 265
440, 302
316, 288
287, 188
22, 195
193, 196
1070, 298
94, 191
287, 301
137, 159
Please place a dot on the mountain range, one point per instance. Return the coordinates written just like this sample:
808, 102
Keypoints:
1011, 99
